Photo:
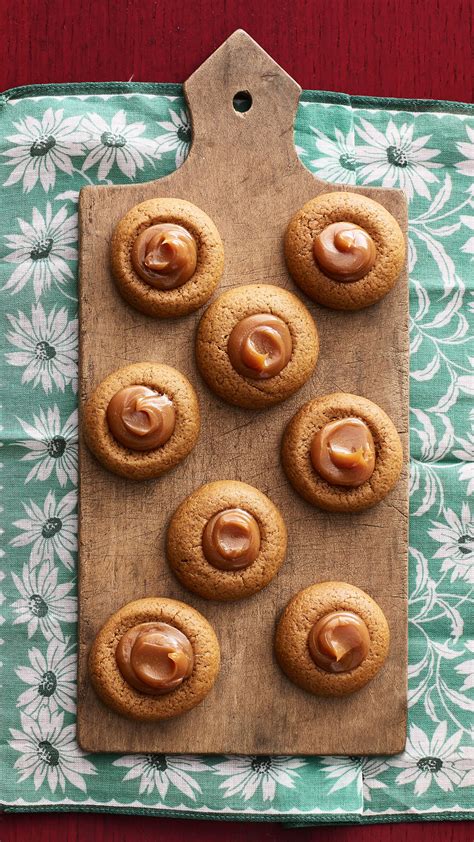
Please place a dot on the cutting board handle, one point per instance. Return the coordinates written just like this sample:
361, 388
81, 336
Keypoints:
241, 66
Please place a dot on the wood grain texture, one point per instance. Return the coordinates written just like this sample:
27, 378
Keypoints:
105, 828
435, 62
404, 48
244, 172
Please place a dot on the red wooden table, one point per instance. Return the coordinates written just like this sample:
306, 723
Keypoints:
401, 48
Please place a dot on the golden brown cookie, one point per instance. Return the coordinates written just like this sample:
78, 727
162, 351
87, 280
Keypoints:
141, 433
303, 436
332, 639
226, 541
348, 266
256, 345
168, 628
167, 257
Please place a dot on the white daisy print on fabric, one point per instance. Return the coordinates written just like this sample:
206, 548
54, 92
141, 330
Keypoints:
177, 137
51, 445
466, 167
437, 761
456, 536
118, 144
160, 771
246, 775
42, 250
467, 668
50, 753
396, 158
337, 157
466, 454
43, 604
48, 347
2, 577
364, 771
43, 146
51, 530
468, 221
51, 680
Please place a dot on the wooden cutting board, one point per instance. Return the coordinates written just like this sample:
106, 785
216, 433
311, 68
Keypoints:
244, 172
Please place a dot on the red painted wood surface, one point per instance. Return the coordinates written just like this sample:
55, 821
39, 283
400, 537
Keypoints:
402, 48
99, 828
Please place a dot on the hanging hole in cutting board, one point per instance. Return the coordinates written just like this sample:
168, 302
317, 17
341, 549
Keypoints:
242, 102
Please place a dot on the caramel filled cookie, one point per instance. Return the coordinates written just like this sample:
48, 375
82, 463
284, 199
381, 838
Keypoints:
256, 345
226, 541
153, 659
344, 250
142, 420
342, 453
332, 639
167, 257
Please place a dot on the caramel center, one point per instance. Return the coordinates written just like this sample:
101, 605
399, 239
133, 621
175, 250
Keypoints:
339, 641
344, 252
154, 658
260, 346
231, 539
343, 452
141, 419
165, 255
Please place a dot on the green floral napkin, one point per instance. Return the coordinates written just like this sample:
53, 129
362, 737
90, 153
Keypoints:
53, 141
